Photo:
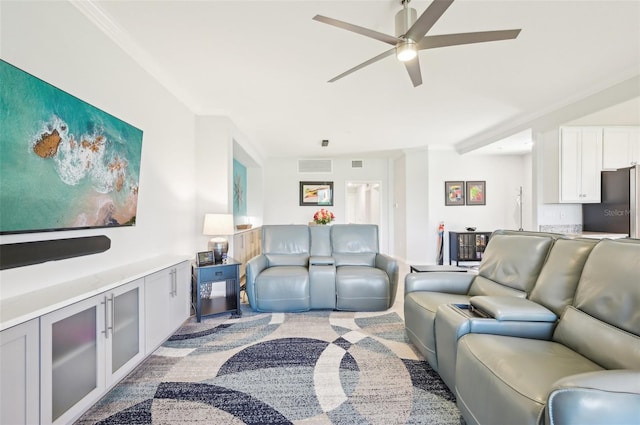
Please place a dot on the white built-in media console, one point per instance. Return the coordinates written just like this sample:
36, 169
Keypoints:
63, 347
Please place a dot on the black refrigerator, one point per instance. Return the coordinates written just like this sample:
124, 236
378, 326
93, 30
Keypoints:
619, 210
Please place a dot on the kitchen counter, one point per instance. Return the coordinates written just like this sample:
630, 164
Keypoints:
599, 235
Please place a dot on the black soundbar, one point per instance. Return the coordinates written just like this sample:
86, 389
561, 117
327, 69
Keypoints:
27, 253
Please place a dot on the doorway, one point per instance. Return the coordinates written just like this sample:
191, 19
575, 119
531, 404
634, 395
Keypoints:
363, 204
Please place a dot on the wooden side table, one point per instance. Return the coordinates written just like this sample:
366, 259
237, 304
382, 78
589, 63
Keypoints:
228, 272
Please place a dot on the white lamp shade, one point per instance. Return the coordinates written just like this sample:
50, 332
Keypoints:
218, 224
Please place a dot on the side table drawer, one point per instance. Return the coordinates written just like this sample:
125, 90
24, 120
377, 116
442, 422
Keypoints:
218, 273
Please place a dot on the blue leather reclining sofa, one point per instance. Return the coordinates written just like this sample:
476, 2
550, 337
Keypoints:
547, 332
336, 267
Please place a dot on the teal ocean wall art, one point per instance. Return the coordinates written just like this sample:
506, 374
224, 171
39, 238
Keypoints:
64, 164
239, 189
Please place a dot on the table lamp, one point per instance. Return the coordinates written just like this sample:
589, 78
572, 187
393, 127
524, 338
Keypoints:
218, 225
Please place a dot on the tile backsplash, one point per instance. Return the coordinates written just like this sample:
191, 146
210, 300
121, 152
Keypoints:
561, 228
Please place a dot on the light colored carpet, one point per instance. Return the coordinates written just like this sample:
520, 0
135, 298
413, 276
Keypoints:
302, 368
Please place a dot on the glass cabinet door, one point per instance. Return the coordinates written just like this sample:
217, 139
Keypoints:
72, 359
125, 325
74, 356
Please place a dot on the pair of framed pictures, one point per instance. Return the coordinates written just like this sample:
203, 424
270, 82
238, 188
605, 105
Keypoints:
465, 193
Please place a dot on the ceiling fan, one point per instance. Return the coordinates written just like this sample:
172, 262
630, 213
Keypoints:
411, 37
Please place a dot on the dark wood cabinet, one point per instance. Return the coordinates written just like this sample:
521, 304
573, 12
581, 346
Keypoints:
467, 246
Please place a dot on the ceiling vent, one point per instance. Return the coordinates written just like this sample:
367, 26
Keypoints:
315, 166
357, 163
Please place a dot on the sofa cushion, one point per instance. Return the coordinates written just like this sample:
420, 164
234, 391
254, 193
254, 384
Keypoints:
354, 244
513, 373
606, 345
512, 261
286, 245
362, 288
320, 240
283, 288
609, 288
556, 285
604, 322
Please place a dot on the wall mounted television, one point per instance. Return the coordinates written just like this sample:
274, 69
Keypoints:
64, 164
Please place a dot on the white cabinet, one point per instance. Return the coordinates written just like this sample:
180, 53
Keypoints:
580, 164
168, 294
86, 348
20, 374
72, 360
620, 147
59, 357
125, 341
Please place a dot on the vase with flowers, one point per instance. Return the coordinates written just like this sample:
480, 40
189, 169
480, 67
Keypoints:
323, 216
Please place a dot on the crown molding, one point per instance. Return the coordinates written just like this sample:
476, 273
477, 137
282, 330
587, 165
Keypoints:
109, 27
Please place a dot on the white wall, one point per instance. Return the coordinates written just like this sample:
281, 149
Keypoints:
282, 184
399, 207
418, 207
53, 41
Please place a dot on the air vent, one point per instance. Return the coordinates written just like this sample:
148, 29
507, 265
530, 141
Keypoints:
315, 166
357, 163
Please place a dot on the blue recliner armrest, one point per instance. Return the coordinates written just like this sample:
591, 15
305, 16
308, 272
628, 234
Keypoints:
254, 267
610, 396
390, 266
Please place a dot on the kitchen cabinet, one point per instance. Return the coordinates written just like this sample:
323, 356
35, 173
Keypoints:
87, 347
168, 294
20, 374
620, 147
580, 164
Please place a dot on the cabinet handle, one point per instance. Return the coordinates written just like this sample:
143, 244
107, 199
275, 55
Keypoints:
174, 284
113, 312
106, 318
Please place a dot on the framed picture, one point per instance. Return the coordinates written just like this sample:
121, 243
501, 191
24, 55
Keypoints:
205, 258
476, 193
454, 193
316, 193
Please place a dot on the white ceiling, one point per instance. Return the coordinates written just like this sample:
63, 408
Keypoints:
265, 64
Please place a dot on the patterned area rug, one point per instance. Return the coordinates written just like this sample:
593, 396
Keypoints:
305, 368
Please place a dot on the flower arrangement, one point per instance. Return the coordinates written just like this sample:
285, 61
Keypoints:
323, 216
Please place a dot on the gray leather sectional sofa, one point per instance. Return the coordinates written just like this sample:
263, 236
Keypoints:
336, 267
547, 331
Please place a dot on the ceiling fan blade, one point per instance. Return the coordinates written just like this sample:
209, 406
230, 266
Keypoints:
362, 65
435, 41
389, 39
428, 18
413, 68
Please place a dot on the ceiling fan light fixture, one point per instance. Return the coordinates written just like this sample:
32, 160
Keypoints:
406, 51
